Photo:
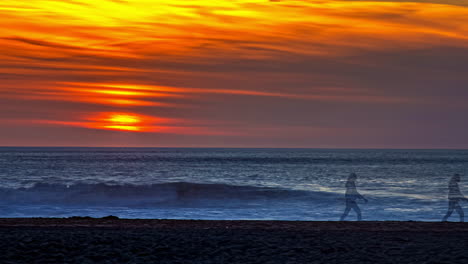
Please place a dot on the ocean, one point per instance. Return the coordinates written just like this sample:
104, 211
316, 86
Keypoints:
230, 184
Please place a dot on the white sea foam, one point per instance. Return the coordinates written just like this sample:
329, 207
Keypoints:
286, 184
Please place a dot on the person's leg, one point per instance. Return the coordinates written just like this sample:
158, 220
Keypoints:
460, 212
346, 211
357, 210
449, 211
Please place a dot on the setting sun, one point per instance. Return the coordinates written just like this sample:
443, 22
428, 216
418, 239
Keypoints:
288, 111
124, 119
119, 121
318, 72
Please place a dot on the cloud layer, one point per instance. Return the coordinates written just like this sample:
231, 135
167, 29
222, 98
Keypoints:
234, 73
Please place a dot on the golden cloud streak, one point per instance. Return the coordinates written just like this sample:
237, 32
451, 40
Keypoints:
133, 122
249, 28
94, 52
169, 91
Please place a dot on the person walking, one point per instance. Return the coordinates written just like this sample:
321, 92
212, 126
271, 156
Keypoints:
351, 196
454, 197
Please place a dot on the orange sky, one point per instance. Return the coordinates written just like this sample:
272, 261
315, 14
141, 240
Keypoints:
234, 73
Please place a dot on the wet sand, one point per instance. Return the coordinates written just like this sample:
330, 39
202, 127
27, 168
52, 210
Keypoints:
82, 240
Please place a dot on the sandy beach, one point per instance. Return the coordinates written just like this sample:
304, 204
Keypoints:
89, 240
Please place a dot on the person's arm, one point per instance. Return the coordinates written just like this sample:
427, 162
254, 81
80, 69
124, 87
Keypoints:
365, 200
462, 197
362, 197
460, 194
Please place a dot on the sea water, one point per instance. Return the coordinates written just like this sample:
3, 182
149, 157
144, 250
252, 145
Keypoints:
273, 184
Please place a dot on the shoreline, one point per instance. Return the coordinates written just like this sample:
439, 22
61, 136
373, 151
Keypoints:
110, 240
112, 221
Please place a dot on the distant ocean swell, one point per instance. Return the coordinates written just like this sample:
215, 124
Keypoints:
178, 194
274, 184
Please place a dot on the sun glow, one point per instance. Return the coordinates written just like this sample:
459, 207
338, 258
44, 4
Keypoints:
124, 119
111, 59
147, 29
120, 121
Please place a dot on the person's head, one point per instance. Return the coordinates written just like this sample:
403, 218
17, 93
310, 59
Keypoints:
456, 177
352, 177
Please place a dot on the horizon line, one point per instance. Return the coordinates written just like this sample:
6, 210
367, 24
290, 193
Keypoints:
201, 147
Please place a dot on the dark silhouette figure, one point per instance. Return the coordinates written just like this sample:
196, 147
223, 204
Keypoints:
351, 196
454, 198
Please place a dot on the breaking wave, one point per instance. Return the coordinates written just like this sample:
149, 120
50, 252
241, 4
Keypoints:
177, 194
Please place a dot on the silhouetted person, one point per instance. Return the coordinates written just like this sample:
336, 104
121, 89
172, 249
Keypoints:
454, 198
351, 196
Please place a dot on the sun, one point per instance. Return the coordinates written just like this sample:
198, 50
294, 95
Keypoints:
124, 119
125, 122
119, 121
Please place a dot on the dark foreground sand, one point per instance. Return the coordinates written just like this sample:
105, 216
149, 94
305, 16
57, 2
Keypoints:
172, 241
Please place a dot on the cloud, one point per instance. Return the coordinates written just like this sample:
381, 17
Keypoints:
256, 65
442, 2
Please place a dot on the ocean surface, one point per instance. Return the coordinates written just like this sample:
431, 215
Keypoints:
273, 184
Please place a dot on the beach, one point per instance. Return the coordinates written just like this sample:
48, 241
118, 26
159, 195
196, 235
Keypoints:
112, 240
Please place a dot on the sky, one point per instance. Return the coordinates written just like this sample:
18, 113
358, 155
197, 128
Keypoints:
237, 73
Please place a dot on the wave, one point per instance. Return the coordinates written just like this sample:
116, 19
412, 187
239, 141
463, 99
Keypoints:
176, 194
